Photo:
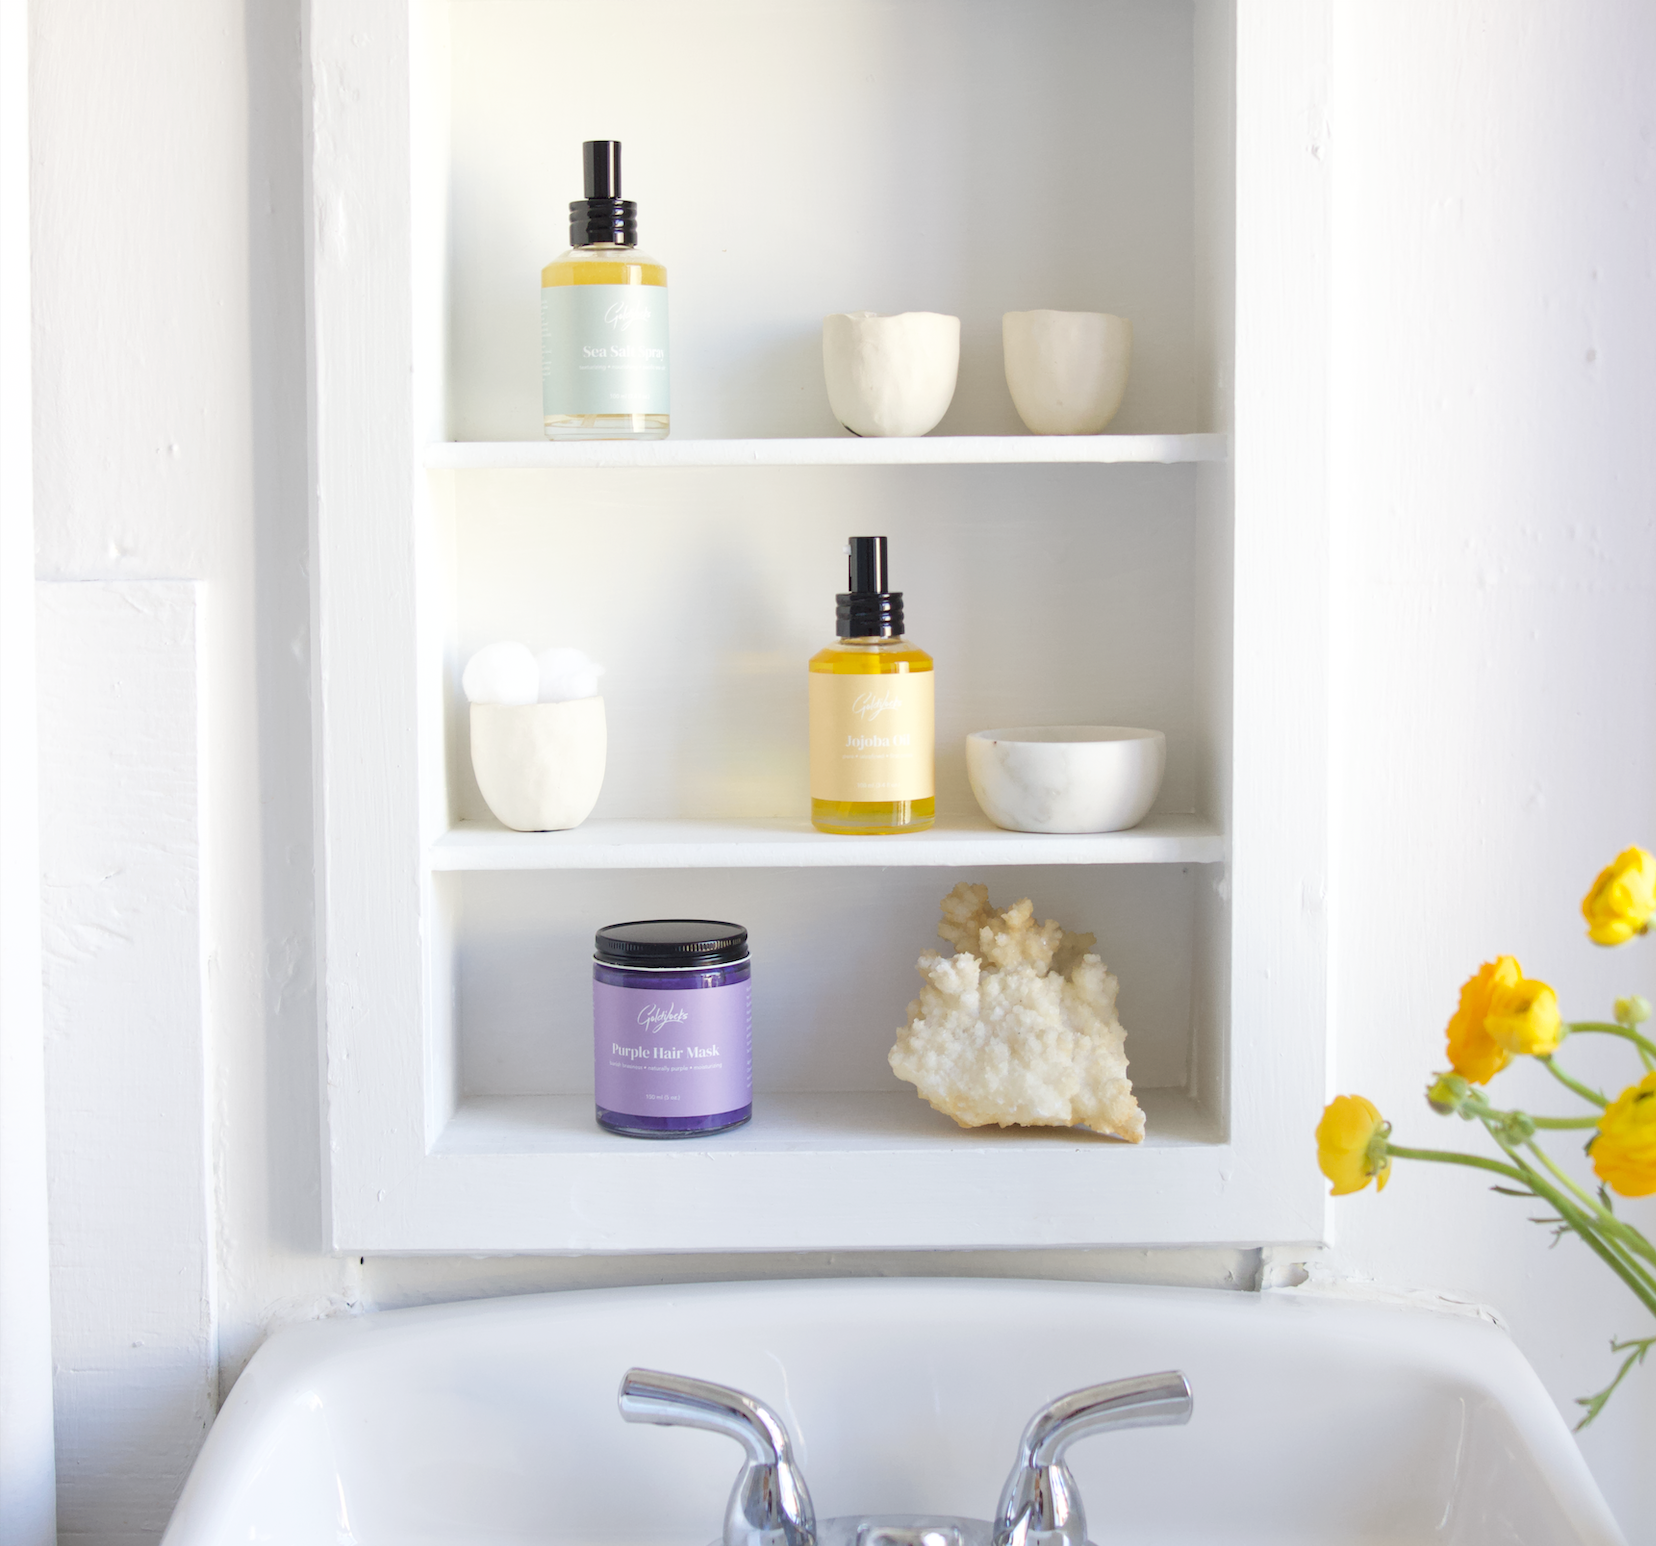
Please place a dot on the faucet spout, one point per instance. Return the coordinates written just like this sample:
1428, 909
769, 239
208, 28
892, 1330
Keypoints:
770, 1505
1040, 1505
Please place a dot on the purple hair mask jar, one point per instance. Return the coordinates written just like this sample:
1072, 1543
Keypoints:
672, 1027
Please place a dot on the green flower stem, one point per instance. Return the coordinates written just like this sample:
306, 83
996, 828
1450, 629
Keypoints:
1587, 1198
1449, 1157
1606, 1028
1629, 1272
1480, 1108
1572, 1084
1588, 1227
1625, 1237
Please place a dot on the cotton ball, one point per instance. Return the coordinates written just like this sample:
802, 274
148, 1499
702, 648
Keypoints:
501, 673
566, 674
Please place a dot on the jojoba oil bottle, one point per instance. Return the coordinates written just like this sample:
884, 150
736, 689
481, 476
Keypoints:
873, 713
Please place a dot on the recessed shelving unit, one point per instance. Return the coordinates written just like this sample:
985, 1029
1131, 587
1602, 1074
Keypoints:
1169, 573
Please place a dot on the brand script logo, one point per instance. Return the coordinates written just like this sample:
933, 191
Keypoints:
654, 1016
871, 705
625, 314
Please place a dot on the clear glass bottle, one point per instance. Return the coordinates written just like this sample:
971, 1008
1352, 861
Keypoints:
604, 367
873, 712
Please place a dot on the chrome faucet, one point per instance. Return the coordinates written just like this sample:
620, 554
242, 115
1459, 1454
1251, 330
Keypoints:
1039, 1505
770, 1504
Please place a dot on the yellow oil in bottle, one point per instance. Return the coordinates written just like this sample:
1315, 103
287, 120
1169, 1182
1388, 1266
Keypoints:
594, 266
604, 367
866, 658
873, 711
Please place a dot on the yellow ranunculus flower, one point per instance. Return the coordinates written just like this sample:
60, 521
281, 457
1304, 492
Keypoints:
1473, 1052
1524, 1018
1351, 1145
1624, 1153
1623, 899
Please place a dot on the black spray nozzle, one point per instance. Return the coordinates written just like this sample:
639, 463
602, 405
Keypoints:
603, 216
868, 610
867, 568
601, 163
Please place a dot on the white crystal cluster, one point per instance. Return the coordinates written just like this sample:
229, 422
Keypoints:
512, 674
1018, 1027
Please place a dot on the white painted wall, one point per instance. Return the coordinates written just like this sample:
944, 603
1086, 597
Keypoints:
1495, 540
1493, 495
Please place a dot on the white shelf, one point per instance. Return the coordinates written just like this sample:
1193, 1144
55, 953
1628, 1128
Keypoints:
684, 845
496, 455
872, 1122
812, 1171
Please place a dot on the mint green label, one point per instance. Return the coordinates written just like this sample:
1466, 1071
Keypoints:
604, 349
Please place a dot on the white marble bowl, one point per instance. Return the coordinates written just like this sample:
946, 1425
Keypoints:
1066, 370
539, 765
1066, 778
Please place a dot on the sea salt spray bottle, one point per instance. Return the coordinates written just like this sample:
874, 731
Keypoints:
604, 318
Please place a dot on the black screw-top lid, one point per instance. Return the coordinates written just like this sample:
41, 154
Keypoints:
603, 215
686, 942
868, 610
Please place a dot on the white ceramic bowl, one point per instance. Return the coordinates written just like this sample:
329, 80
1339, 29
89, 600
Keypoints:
890, 375
1066, 370
539, 765
1066, 778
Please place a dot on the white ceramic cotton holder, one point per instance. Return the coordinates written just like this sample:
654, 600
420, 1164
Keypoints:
890, 375
1067, 370
1066, 778
540, 765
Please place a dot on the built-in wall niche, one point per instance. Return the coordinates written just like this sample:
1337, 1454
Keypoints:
1152, 158
834, 953
1046, 595
789, 161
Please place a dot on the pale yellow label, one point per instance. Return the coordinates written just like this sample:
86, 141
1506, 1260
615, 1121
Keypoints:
872, 736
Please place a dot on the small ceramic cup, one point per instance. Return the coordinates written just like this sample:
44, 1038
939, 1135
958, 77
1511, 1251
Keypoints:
1066, 778
890, 375
540, 765
1067, 370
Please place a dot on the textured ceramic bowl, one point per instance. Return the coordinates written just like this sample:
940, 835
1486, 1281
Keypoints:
1067, 370
1066, 778
540, 765
890, 375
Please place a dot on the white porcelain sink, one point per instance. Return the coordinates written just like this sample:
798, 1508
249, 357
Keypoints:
495, 1421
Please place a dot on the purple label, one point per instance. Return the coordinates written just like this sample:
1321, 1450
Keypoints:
679, 1052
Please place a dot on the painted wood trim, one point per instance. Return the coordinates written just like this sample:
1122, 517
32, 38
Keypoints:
28, 1477
126, 1058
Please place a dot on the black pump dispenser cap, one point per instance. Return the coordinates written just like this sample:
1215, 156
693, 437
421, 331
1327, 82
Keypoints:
603, 215
868, 610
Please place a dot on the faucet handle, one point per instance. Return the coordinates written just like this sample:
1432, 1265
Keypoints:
1039, 1505
770, 1505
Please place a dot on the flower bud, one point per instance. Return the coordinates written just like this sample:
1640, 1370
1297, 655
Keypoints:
1633, 1010
1448, 1094
1516, 1128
